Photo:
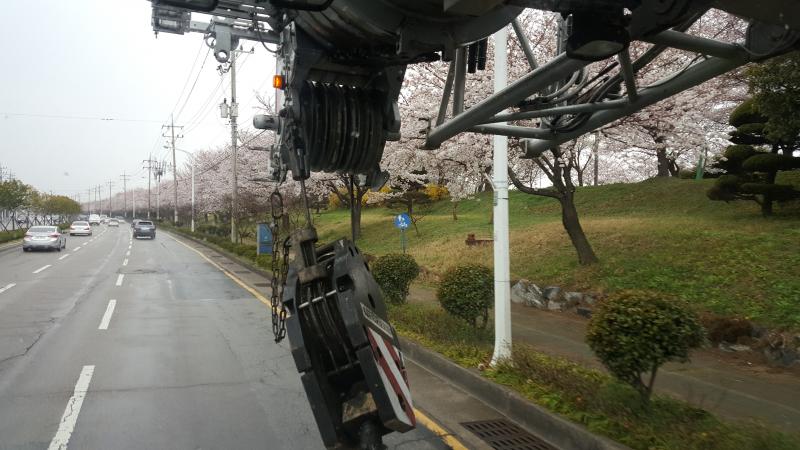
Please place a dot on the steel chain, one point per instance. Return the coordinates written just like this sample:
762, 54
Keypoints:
280, 267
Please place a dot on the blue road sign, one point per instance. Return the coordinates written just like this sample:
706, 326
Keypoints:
402, 221
264, 239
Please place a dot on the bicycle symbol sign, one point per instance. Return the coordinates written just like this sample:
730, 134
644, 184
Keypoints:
402, 221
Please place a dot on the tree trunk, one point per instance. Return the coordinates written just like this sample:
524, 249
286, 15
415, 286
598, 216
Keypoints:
355, 218
663, 163
766, 203
455, 210
569, 218
356, 194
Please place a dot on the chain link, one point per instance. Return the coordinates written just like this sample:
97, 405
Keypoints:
280, 267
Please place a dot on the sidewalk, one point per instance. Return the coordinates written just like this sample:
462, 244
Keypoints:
714, 381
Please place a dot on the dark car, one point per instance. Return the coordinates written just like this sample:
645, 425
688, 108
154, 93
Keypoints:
144, 228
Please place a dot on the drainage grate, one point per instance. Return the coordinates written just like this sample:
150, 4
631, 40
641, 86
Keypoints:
501, 434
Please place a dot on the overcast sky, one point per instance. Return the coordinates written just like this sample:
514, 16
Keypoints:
99, 59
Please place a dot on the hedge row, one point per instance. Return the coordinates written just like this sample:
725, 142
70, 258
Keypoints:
7, 236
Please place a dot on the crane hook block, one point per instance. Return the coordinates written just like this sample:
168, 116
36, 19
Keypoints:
348, 354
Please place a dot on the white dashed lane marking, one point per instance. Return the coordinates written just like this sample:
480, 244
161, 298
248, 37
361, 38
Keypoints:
125, 262
70, 416
107, 316
119, 279
62, 257
7, 287
42, 268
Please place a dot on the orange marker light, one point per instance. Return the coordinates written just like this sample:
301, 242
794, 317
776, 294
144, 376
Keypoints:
277, 81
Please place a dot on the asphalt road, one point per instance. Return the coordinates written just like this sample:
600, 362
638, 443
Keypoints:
132, 344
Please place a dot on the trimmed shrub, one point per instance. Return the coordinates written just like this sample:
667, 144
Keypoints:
394, 273
769, 162
467, 292
634, 332
738, 153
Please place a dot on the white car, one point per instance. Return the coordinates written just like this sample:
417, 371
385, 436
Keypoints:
113, 222
94, 219
80, 227
45, 237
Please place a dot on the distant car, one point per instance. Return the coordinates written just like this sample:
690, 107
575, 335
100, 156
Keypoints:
113, 222
80, 227
144, 228
94, 219
134, 222
48, 238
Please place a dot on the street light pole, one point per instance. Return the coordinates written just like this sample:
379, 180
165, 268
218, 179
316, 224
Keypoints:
502, 277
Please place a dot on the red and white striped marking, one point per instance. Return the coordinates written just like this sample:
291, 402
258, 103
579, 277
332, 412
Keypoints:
393, 373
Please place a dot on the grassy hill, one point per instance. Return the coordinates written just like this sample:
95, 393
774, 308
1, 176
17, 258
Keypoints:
661, 234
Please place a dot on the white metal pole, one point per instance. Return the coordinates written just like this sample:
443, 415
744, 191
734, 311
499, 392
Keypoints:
192, 194
502, 277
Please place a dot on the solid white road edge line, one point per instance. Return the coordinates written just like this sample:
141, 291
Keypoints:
7, 287
42, 268
119, 279
70, 416
62, 257
125, 262
107, 316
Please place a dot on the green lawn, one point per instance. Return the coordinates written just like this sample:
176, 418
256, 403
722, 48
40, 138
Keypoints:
583, 395
662, 234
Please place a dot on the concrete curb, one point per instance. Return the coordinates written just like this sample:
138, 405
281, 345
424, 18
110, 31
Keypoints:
238, 259
554, 429
10, 246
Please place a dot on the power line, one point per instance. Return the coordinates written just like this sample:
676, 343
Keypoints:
76, 117
189, 95
209, 105
189, 75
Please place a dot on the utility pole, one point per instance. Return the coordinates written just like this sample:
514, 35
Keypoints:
97, 199
233, 112
110, 183
124, 194
172, 127
89, 201
149, 161
159, 173
234, 144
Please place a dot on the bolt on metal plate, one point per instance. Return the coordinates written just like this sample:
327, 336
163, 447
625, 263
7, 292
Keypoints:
501, 434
